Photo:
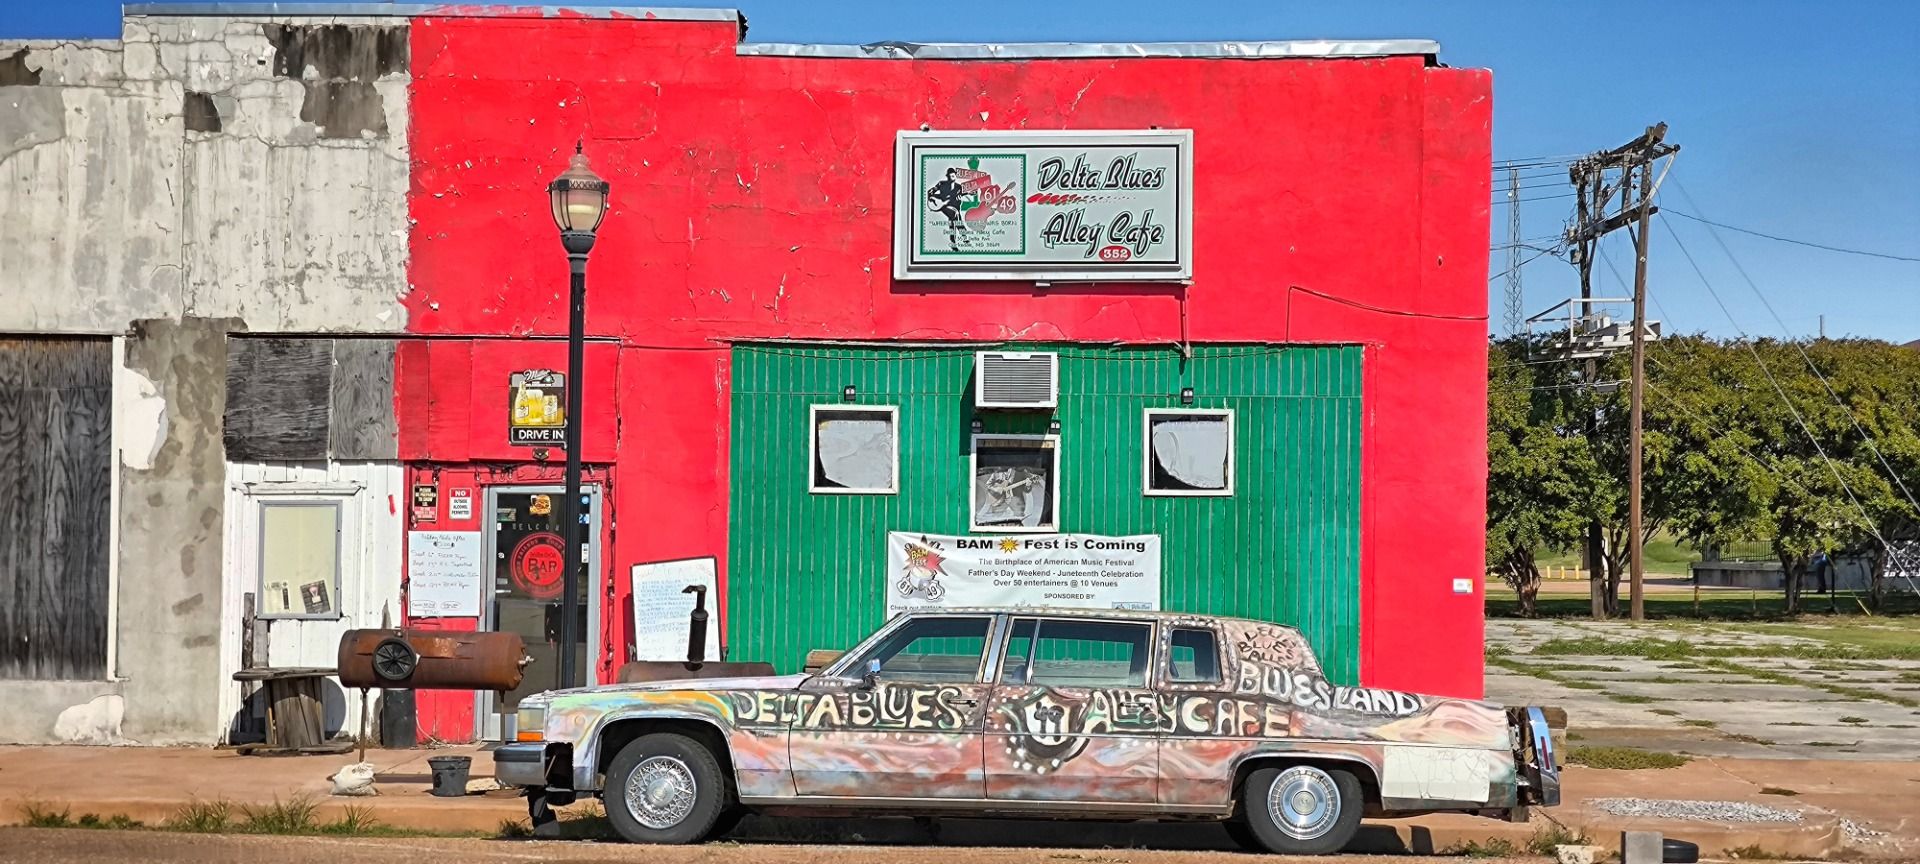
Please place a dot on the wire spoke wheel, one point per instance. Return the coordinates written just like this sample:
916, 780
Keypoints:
661, 792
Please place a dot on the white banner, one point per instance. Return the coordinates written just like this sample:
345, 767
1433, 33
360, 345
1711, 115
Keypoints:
936, 571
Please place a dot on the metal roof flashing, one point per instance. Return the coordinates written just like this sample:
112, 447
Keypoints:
891, 50
433, 10
1252, 50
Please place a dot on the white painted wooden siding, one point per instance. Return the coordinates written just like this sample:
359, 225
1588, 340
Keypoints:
371, 512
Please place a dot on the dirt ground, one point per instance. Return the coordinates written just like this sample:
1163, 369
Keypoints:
49, 846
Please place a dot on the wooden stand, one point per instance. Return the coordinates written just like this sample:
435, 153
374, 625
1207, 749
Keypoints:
296, 713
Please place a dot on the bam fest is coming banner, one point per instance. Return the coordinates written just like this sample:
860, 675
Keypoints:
938, 571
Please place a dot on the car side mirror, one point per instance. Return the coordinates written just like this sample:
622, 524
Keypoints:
871, 678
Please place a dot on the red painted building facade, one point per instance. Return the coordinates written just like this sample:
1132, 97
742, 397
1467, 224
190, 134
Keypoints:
1340, 197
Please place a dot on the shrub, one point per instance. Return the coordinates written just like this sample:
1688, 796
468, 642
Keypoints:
1623, 758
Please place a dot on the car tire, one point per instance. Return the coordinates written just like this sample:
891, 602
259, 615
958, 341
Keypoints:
1302, 809
1242, 836
666, 789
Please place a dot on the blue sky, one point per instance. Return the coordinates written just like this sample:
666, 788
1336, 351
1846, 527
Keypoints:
1798, 119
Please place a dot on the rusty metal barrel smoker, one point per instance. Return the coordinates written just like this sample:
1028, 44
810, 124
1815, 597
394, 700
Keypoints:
429, 660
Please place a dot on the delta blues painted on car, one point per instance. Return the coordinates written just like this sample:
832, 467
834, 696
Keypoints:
1064, 714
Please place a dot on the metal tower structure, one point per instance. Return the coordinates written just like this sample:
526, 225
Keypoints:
1514, 316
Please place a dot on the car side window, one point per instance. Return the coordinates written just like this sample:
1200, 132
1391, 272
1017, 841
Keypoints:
935, 650
1070, 653
1194, 657
1013, 669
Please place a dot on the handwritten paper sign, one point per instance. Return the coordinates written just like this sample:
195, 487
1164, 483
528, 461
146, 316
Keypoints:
443, 574
661, 610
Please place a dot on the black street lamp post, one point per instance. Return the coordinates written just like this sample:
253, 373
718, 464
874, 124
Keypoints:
579, 199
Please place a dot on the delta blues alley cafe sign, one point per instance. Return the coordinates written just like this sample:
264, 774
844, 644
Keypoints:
1044, 206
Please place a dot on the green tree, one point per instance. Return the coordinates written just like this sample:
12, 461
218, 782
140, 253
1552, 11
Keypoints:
1538, 466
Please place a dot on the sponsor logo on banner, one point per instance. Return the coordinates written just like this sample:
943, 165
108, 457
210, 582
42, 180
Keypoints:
935, 571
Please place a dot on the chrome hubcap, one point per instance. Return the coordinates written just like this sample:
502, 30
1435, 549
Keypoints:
1304, 802
660, 792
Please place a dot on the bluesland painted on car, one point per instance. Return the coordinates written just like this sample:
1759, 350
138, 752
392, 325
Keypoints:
1031, 712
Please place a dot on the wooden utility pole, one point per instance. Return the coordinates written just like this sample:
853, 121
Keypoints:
1637, 402
1590, 177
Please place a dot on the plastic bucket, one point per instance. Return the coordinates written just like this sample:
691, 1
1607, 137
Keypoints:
450, 775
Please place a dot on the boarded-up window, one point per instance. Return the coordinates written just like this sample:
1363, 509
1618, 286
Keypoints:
854, 449
1189, 452
309, 399
56, 404
299, 559
1015, 483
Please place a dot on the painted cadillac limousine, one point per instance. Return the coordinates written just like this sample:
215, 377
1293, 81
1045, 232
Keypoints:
1035, 712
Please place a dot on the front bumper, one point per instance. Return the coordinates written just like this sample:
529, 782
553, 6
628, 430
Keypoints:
524, 764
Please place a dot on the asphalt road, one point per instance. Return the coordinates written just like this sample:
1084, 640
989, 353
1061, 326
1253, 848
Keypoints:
51, 846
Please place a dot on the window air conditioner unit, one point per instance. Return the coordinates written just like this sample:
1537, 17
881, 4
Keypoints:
1016, 379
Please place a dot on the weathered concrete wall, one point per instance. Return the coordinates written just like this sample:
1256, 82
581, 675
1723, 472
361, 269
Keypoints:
170, 398
171, 538
212, 167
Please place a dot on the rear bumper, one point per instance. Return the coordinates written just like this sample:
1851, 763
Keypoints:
1541, 768
522, 765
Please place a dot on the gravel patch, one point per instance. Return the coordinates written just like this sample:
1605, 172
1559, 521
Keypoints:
1698, 811
1858, 833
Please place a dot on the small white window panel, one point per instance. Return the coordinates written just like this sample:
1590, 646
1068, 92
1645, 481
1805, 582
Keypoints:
1014, 484
1187, 452
299, 559
853, 449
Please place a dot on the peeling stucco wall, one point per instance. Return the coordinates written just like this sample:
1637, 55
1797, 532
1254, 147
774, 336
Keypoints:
212, 167
172, 535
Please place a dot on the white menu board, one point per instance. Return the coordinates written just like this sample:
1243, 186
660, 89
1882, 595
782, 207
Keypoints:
444, 575
660, 609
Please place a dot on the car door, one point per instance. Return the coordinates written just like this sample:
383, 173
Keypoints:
1072, 717
914, 731
1197, 756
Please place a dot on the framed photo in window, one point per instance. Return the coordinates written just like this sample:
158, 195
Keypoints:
853, 449
1187, 451
1015, 483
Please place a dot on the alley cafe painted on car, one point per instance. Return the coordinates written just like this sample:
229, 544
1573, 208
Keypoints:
875, 329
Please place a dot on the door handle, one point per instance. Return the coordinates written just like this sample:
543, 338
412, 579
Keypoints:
964, 703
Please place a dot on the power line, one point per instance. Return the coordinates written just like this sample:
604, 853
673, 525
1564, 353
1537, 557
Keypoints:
1809, 243
1535, 257
1535, 198
1755, 288
1784, 239
1865, 516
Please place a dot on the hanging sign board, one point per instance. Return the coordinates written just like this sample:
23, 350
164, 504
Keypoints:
1044, 206
661, 608
443, 574
536, 408
1090, 571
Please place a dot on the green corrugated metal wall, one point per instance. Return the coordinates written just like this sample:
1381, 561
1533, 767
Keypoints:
805, 571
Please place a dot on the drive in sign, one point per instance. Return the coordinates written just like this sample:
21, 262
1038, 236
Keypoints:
1044, 205
934, 571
